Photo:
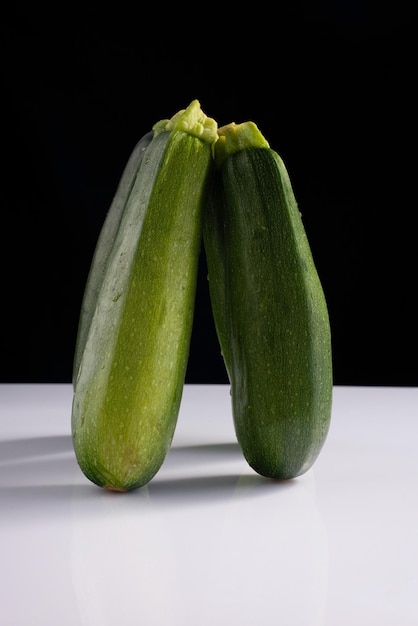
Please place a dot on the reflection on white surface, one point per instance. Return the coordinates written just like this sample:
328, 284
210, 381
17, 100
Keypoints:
122, 562
208, 542
191, 548
273, 555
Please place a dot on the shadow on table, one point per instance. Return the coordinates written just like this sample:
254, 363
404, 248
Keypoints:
43, 472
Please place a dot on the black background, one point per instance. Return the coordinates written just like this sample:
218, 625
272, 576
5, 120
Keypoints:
330, 85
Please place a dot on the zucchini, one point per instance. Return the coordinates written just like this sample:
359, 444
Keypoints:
104, 245
131, 375
268, 305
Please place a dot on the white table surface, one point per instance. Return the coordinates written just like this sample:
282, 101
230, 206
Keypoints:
208, 542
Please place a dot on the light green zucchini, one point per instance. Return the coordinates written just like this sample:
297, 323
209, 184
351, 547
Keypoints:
269, 307
131, 375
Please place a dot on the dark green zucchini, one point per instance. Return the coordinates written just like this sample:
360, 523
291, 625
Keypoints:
269, 307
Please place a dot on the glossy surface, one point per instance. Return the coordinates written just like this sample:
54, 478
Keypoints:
209, 542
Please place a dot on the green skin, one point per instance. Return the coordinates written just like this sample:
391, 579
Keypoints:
129, 386
270, 313
104, 246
